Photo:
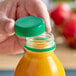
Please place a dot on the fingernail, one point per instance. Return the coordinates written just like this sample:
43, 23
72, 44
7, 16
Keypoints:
48, 29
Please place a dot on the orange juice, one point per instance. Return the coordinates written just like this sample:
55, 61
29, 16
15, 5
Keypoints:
39, 63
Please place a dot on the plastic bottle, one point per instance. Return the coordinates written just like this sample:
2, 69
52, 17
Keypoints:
39, 59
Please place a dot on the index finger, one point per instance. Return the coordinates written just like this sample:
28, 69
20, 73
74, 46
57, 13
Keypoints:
43, 13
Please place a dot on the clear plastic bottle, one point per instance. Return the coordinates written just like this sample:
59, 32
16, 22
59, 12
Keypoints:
39, 59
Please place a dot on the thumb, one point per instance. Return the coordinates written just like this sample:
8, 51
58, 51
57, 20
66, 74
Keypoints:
6, 28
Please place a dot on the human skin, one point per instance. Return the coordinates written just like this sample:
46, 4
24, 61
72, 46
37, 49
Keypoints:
10, 11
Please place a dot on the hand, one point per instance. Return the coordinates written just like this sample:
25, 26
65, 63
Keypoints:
11, 10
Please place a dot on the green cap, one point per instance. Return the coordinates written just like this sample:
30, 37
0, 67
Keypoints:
29, 26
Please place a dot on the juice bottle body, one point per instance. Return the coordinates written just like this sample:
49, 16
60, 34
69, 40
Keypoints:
39, 64
39, 59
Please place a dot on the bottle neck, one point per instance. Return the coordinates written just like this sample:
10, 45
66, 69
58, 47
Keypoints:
42, 43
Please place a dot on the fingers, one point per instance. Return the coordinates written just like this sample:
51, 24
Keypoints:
21, 12
43, 13
12, 46
11, 9
8, 7
6, 28
10, 27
